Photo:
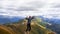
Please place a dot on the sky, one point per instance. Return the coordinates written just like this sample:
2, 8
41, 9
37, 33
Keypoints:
45, 8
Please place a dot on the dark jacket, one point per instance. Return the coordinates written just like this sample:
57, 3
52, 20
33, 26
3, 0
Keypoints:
29, 20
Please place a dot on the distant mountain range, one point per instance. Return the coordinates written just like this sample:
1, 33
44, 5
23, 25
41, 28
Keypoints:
7, 19
50, 20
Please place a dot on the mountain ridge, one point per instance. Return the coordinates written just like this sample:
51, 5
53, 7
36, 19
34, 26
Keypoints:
19, 28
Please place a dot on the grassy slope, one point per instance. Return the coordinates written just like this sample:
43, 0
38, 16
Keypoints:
5, 30
19, 28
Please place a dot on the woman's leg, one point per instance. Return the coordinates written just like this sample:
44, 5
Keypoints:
28, 28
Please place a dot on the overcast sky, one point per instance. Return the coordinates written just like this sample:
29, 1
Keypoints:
46, 8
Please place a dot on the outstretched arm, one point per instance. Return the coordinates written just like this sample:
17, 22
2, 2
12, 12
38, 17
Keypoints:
26, 18
33, 17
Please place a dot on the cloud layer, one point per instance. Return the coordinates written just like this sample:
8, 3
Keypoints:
46, 8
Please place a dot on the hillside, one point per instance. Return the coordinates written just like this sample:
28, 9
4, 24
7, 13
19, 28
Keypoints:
20, 27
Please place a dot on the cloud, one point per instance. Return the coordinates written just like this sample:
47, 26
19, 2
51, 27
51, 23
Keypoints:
37, 4
25, 9
47, 8
55, 5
